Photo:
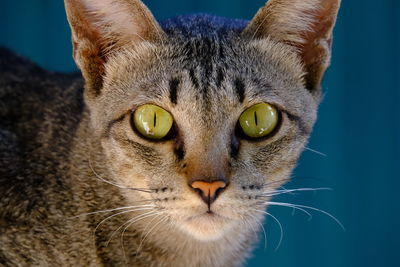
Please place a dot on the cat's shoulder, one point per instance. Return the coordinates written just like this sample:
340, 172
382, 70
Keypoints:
39, 112
30, 95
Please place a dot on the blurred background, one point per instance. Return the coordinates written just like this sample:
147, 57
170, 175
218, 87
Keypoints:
357, 137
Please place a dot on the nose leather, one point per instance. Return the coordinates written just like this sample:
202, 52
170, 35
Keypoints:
208, 190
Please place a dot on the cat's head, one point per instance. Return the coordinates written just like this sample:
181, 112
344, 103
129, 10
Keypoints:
208, 116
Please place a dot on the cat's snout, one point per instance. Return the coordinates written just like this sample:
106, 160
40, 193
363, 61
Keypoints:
208, 191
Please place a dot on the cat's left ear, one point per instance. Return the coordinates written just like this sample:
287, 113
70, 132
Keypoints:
100, 27
304, 24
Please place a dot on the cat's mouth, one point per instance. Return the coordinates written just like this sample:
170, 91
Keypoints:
211, 215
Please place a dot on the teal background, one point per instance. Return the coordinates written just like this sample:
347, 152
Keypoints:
358, 128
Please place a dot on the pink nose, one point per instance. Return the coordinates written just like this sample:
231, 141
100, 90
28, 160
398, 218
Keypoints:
208, 190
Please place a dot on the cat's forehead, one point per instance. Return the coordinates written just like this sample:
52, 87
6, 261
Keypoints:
216, 73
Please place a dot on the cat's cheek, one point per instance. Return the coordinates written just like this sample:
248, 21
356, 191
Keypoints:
121, 167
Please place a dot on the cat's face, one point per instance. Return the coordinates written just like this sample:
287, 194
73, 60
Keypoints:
204, 84
206, 141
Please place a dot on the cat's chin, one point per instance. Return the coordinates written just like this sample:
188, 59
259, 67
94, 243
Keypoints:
207, 226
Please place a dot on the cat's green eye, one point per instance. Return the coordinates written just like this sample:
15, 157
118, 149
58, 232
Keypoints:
152, 121
259, 120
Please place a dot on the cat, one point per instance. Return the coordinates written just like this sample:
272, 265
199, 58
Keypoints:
168, 148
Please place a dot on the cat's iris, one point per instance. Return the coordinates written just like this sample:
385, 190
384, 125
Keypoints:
152, 122
259, 120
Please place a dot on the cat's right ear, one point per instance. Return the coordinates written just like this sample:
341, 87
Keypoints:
102, 26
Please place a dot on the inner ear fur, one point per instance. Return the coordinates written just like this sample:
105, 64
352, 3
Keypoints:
100, 27
306, 25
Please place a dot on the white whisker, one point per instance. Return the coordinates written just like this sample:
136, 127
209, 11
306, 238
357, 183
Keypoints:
115, 184
307, 207
165, 218
130, 221
262, 228
148, 224
275, 182
116, 209
279, 224
286, 191
136, 219
315, 151
119, 213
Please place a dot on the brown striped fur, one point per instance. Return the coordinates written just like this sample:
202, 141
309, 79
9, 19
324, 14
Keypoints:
66, 152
